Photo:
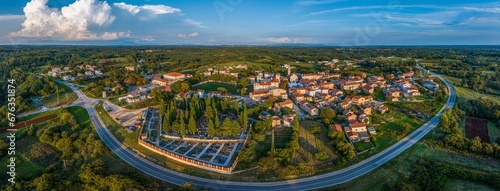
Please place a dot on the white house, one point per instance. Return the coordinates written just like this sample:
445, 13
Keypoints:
358, 127
160, 82
266, 85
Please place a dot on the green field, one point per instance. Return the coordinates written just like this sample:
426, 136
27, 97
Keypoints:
389, 127
311, 144
493, 131
38, 115
213, 87
116, 62
466, 93
362, 146
301, 64
64, 98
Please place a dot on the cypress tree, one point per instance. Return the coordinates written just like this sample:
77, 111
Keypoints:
216, 120
191, 125
211, 128
182, 128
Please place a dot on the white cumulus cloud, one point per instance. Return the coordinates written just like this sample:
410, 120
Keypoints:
149, 9
194, 34
279, 40
72, 22
194, 23
290, 40
133, 9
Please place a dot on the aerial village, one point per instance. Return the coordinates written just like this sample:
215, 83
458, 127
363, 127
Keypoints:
302, 95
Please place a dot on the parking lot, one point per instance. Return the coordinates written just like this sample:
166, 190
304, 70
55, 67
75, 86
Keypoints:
124, 117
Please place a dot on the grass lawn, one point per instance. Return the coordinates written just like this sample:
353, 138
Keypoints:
362, 146
466, 93
453, 80
279, 142
388, 127
64, 98
84, 120
213, 87
38, 115
89, 94
310, 144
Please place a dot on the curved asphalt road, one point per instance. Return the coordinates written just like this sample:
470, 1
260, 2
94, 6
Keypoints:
314, 182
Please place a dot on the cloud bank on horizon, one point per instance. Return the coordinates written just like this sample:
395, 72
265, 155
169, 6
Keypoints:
70, 23
332, 22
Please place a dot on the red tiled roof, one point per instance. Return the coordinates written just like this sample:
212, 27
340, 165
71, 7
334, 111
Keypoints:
354, 125
260, 92
336, 127
175, 74
352, 133
160, 80
286, 102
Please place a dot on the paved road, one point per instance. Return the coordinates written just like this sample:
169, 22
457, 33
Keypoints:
332, 178
301, 114
77, 102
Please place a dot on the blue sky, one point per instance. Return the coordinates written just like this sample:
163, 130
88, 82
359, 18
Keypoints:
250, 22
